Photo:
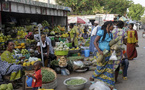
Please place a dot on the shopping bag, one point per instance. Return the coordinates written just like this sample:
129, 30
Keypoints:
113, 56
99, 86
29, 81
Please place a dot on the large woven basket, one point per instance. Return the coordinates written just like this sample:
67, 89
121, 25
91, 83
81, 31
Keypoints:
51, 84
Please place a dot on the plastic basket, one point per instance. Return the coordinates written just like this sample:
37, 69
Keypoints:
61, 53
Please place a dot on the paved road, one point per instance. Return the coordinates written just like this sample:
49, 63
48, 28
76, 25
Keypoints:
136, 73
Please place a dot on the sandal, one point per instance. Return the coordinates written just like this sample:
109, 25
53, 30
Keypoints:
124, 78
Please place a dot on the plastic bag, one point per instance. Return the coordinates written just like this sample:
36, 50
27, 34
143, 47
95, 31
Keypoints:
113, 56
29, 81
99, 86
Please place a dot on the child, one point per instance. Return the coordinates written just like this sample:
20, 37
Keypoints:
37, 76
125, 64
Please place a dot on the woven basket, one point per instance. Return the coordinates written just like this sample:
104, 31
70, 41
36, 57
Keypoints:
51, 84
59, 53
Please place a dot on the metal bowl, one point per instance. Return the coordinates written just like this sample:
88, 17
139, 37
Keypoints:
75, 87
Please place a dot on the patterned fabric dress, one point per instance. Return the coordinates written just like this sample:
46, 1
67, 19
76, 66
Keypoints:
12, 69
104, 70
132, 39
8, 66
115, 33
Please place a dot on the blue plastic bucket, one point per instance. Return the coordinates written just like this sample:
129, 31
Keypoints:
87, 53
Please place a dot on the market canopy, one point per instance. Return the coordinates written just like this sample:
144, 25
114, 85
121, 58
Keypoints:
40, 4
78, 20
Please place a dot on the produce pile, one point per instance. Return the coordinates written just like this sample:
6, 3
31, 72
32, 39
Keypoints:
19, 45
30, 61
75, 82
62, 47
21, 32
4, 38
45, 23
24, 51
62, 62
6, 86
75, 58
54, 63
47, 76
75, 48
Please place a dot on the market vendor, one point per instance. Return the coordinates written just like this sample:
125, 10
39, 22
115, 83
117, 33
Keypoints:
9, 54
8, 63
74, 33
45, 48
36, 37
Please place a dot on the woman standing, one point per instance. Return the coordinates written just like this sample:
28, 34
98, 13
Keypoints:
132, 42
116, 33
45, 47
104, 71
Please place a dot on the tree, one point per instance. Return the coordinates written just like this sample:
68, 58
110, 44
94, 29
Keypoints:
117, 6
143, 19
80, 7
136, 11
84, 7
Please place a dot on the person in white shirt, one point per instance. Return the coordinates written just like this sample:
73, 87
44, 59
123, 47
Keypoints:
95, 28
45, 48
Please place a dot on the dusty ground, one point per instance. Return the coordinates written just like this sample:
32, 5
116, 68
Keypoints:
136, 73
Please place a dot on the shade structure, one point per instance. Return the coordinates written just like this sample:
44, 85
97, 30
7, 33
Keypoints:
77, 20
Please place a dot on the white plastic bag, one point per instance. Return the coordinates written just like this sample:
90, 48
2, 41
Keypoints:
113, 56
99, 86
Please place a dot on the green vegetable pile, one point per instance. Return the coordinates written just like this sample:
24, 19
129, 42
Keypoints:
75, 82
47, 76
6, 86
75, 58
54, 63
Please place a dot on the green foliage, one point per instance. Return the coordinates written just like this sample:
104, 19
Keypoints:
136, 11
117, 6
84, 7
143, 19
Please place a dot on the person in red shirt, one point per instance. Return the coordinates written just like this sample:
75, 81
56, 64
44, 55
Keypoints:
37, 76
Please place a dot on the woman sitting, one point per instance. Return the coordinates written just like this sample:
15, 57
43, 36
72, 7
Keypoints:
8, 63
45, 48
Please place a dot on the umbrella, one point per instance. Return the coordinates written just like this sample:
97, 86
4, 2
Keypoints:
77, 20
